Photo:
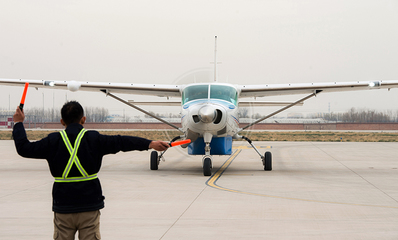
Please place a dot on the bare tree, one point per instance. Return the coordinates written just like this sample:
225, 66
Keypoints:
361, 116
243, 112
96, 114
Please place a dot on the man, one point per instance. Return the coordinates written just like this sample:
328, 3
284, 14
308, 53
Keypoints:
74, 157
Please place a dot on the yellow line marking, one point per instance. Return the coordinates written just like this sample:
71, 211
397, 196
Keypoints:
212, 182
213, 179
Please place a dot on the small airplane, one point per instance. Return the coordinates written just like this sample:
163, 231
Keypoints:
209, 111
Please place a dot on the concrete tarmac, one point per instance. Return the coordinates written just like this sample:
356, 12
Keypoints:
316, 190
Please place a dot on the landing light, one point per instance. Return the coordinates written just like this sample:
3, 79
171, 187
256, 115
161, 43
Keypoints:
374, 84
49, 83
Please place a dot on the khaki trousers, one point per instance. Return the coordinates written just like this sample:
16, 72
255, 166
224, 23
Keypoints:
87, 223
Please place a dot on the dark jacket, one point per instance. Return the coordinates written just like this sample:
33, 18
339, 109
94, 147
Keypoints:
73, 197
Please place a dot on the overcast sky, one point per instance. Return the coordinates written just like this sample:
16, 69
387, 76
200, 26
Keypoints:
150, 41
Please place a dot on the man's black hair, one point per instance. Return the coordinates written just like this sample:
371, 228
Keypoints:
72, 112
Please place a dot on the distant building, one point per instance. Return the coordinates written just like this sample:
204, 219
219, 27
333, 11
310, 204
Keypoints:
115, 118
6, 119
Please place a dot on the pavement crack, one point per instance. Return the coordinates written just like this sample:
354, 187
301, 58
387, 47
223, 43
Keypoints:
359, 175
179, 217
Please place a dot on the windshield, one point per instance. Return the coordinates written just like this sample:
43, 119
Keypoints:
221, 92
195, 92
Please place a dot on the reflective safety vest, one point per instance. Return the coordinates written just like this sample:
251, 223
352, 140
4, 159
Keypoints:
74, 160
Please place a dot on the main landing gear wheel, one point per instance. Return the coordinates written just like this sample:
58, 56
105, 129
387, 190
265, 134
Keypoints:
207, 166
267, 161
154, 160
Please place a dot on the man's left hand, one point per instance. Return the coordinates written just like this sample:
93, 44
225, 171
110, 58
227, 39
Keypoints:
159, 145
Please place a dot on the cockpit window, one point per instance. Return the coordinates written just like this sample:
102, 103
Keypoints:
195, 92
221, 92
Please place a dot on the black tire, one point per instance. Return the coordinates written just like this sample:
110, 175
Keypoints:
268, 161
207, 167
154, 160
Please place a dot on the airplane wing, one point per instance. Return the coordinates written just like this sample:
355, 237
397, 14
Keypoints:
308, 88
152, 103
161, 90
265, 104
241, 103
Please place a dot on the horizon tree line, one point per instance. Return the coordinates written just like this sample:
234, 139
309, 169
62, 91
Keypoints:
38, 115
101, 114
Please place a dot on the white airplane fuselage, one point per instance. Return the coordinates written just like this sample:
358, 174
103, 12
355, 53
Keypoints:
210, 114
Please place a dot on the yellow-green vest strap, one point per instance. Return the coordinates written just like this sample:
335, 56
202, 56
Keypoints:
73, 159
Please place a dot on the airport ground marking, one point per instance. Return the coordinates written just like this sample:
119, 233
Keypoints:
212, 182
213, 179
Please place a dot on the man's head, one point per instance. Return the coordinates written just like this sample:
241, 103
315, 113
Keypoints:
72, 112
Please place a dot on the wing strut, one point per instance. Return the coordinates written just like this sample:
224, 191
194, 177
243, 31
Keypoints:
281, 110
140, 109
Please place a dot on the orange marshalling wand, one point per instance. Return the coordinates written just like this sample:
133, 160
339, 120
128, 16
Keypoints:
173, 144
24, 96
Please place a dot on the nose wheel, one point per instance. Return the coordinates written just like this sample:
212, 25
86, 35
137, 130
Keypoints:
207, 166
